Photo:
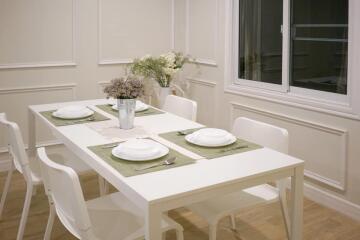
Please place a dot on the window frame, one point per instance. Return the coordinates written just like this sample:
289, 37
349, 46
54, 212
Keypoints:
250, 83
337, 104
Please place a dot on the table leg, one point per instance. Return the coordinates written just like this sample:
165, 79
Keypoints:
32, 133
153, 223
297, 189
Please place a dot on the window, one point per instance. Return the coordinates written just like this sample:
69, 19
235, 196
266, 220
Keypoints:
260, 40
319, 32
293, 46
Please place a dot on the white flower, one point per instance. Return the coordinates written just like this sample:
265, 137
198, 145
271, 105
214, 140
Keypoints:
170, 71
170, 59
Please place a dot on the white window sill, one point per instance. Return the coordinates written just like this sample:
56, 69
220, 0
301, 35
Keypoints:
335, 108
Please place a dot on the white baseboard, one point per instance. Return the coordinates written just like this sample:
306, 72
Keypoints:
5, 164
331, 201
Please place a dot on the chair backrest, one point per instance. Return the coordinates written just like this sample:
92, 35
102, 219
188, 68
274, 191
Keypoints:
262, 133
180, 106
16, 147
266, 135
62, 186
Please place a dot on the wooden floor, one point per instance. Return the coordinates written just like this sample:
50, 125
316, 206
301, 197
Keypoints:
263, 223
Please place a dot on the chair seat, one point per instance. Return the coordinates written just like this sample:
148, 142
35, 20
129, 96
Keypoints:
62, 155
115, 217
215, 209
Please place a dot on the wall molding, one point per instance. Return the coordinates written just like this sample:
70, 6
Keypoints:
202, 82
342, 133
212, 87
46, 64
297, 101
104, 83
203, 61
5, 164
116, 61
40, 88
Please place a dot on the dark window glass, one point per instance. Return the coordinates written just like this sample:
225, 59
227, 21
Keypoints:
319, 45
260, 40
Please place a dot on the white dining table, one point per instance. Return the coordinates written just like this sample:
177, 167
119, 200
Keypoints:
158, 192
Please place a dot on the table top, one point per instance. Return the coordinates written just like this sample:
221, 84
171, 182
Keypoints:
165, 184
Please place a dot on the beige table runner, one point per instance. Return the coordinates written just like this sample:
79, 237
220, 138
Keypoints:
150, 111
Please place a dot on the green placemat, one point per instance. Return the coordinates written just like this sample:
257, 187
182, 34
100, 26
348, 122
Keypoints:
128, 168
209, 152
150, 111
97, 117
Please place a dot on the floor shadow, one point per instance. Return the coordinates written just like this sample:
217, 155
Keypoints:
197, 228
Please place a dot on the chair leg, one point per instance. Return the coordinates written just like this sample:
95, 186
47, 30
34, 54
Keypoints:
285, 214
6, 190
50, 222
106, 187
25, 212
163, 236
34, 191
179, 234
103, 186
233, 221
212, 231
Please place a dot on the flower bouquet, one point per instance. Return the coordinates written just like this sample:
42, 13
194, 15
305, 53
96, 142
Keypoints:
162, 69
125, 90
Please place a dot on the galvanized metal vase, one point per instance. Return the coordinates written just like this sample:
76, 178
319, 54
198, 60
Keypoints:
163, 93
126, 113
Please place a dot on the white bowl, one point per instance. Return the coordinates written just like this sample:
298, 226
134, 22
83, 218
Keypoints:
111, 101
140, 150
211, 137
139, 107
73, 112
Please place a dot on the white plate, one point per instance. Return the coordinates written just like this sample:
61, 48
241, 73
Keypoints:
73, 112
140, 150
211, 137
111, 101
140, 106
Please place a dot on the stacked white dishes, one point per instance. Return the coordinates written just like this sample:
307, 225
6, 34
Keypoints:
111, 101
139, 107
73, 112
211, 137
140, 150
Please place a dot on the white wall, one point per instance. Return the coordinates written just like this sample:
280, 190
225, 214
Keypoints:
328, 143
62, 50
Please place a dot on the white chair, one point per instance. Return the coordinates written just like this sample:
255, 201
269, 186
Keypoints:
104, 218
214, 209
180, 106
30, 168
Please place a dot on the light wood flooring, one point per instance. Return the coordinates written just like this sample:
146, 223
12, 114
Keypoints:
263, 223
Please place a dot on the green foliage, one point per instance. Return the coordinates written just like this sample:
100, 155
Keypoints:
161, 69
151, 68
